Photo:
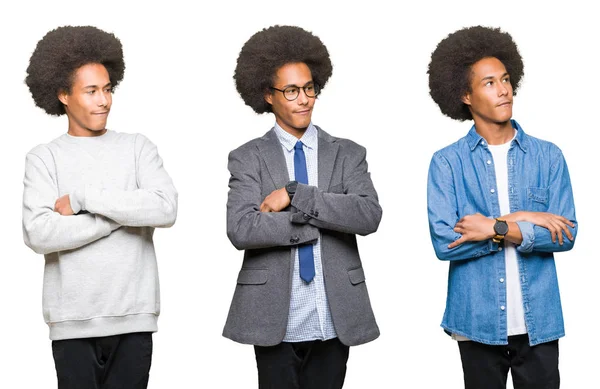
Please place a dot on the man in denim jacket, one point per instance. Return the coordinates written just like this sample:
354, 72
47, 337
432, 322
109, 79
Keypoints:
500, 204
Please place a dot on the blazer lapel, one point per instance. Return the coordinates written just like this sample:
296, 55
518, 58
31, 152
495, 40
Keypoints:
328, 150
270, 151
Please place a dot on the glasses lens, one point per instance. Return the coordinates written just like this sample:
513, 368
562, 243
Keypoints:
290, 93
311, 90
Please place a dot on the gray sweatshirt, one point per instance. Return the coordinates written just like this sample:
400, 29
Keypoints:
100, 275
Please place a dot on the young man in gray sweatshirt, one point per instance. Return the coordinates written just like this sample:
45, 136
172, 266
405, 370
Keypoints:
92, 198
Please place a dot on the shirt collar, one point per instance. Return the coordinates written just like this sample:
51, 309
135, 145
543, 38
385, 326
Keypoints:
474, 139
287, 140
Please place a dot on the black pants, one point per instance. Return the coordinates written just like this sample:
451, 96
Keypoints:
486, 366
302, 365
109, 362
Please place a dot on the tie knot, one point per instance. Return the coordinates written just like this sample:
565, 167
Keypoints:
298, 146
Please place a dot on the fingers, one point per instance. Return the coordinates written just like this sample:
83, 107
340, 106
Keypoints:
561, 228
566, 222
457, 242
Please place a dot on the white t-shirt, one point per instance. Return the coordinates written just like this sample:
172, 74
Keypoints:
514, 298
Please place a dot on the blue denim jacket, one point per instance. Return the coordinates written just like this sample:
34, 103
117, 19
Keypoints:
462, 182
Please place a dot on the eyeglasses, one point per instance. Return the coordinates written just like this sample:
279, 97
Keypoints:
291, 93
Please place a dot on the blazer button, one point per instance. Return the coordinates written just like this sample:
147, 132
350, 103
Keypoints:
292, 240
316, 213
305, 217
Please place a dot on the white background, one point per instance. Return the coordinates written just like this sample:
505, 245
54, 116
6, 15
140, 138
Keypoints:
178, 90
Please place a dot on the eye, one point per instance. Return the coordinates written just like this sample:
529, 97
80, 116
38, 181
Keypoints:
91, 92
489, 83
309, 88
291, 91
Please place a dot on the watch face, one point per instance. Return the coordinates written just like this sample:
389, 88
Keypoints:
501, 227
291, 187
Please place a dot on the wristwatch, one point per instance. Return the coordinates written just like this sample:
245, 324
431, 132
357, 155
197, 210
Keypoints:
290, 187
501, 229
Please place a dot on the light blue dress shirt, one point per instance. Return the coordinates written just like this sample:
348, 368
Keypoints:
309, 317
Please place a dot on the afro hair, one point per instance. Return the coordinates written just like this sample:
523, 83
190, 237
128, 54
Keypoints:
267, 51
452, 61
64, 50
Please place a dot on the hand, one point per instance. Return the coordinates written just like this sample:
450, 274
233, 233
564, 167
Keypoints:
473, 228
63, 206
556, 224
276, 201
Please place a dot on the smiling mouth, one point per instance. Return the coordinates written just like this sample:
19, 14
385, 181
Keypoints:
504, 104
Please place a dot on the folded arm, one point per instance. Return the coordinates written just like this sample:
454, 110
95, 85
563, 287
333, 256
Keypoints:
355, 210
152, 204
443, 218
247, 226
542, 232
46, 231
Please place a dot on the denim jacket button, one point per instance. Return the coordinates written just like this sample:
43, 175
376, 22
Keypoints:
489, 162
503, 307
501, 279
493, 190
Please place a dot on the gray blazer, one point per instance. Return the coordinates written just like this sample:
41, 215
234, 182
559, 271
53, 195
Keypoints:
344, 204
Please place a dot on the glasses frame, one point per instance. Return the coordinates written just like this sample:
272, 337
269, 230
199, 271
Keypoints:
315, 86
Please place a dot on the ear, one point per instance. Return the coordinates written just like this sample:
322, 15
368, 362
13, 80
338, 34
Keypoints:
268, 97
466, 98
63, 96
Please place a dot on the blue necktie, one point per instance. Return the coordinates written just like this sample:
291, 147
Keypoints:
305, 251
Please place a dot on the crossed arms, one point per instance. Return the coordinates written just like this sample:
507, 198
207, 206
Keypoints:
256, 222
50, 225
470, 236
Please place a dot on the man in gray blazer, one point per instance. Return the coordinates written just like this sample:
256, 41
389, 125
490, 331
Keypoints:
297, 198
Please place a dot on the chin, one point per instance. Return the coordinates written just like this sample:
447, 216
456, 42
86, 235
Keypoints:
303, 125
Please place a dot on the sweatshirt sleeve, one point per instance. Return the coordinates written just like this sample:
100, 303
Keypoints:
46, 231
152, 204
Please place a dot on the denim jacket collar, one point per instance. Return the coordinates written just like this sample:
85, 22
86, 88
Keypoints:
474, 139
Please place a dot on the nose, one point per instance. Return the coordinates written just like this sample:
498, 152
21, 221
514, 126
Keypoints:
302, 97
502, 90
103, 100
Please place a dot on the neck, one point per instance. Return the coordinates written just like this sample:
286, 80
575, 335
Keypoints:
495, 133
297, 132
77, 130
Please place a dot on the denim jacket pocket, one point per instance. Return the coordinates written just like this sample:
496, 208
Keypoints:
537, 198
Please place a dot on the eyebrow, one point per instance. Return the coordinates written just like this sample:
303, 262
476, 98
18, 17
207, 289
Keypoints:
96, 86
492, 77
288, 85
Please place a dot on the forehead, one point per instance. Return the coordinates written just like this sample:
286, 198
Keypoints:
297, 73
487, 67
91, 74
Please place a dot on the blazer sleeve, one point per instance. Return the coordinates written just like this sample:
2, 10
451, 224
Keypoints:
247, 226
355, 210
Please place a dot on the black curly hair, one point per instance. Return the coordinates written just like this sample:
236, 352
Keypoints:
267, 51
452, 60
60, 53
